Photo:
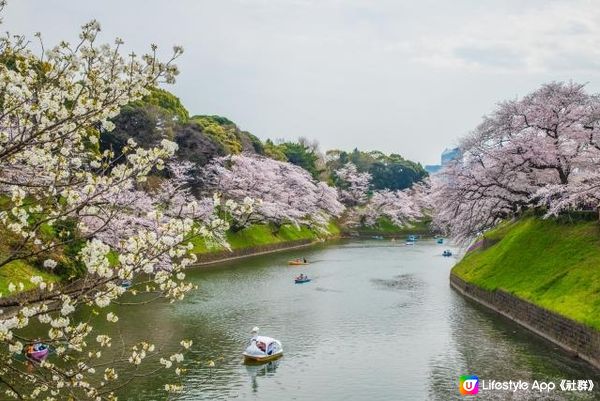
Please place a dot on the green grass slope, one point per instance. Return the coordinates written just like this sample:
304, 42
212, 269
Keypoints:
19, 271
552, 264
257, 235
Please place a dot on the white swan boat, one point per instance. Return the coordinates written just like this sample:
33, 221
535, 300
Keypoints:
262, 348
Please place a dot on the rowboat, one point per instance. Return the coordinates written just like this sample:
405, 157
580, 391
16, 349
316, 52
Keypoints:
302, 280
297, 262
447, 253
410, 242
262, 349
37, 352
440, 240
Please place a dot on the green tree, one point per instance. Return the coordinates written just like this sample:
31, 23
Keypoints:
166, 101
302, 155
274, 151
387, 171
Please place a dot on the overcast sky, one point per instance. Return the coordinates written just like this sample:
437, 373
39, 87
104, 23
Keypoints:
408, 77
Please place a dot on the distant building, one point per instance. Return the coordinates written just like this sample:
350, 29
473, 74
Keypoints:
432, 168
450, 154
447, 156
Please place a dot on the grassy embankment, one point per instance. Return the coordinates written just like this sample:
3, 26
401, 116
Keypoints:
258, 235
550, 263
19, 271
386, 228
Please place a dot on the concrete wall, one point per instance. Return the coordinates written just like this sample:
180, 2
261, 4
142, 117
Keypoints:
574, 337
221, 256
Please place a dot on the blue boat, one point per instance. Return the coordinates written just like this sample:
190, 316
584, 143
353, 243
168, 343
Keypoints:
440, 241
301, 279
126, 284
412, 238
447, 253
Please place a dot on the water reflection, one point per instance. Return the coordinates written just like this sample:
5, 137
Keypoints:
261, 370
493, 348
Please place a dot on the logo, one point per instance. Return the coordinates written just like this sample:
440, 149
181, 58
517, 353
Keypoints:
469, 385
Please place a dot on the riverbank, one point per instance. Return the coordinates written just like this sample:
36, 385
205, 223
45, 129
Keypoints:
251, 241
212, 258
262, 239
542, 274
254, 240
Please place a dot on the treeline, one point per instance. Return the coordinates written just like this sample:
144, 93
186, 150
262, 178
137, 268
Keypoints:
202, 138
387, 171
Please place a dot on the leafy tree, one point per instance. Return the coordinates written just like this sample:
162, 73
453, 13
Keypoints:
221, 130
274, 151
145, 123
195, 146
251, 143
387, 172
159, 116
301, 155
166, 101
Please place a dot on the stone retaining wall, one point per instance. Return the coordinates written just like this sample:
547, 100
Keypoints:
221, 256
574, 337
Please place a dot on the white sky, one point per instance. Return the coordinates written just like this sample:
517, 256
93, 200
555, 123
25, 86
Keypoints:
408, 77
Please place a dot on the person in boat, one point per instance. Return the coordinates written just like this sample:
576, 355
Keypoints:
37, 346
304, 260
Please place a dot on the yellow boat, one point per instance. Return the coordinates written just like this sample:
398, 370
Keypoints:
249, 359
297, 262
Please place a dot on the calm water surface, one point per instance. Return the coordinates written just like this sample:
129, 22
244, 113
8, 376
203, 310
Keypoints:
378, 322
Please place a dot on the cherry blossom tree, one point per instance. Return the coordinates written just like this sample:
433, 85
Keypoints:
354, 185
400, 207
420, 194
52, 176
538, 151
396, 206
133, 209
271, 192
